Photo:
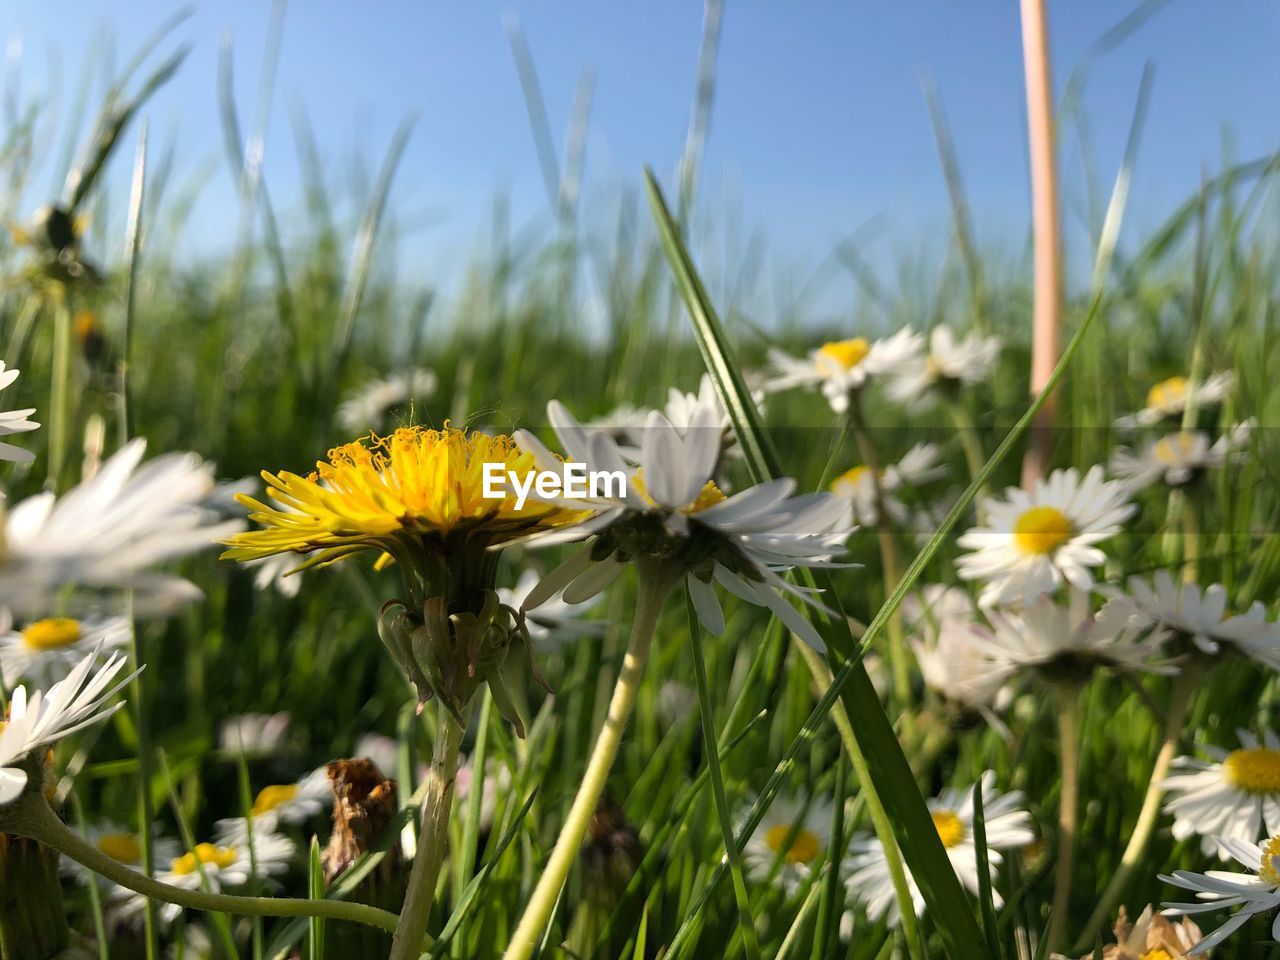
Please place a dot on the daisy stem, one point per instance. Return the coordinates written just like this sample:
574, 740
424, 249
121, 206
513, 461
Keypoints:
1067, 696
1180, 695
889, 562
974, 458
30, 816
433, 839
880, 821
60, 394
655, 583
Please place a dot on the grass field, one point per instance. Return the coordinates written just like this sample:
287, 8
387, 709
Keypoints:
246, 360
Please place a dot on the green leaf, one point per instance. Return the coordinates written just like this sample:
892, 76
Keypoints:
315, 890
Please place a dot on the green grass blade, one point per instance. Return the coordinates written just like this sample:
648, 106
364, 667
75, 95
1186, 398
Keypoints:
315, 890
984, 872
829, 907
706, 710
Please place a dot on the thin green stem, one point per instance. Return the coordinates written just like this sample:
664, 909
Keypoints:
1067, 697
433, 839
880, 821
1180, 696
745, 922
31, 816
655, 583
60, 395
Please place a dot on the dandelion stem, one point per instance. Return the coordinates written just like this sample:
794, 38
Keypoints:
655, 583
1180, 695
30, 816
433, 839
1067, 696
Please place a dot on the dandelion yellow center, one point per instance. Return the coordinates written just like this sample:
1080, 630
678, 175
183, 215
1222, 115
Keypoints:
1267, 869
122, 847
846, 353
708, 496
52, 634
271, 797
1253, 771
1167, 393
1041, 530
950, 829
805, 845
207, 854
1159, 953
1172, 450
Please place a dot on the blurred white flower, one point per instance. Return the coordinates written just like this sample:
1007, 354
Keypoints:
122, 845
1235, 794
1256, 892
45, 651
1201, 616
747, 540
368, 407
1008, 826
497, 782
106, 533
1070, 639
279, 572
858, 486
14, 421
223, 867
384, 751
278, 804
1177, 458
253, 734
843, 367
946, 640
66, 707
676, 701
554, 623
1167, 400
791, 838
1032, 542
946, 362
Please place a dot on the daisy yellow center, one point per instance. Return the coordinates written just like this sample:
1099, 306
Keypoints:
1256, 770
949, 826
707, 497
414, 483
122, 847
274, 796
933, 367
52, 634
1159, 953
1267, 868
846, 353
804, 848
850, 478
1042, 530
1167, 393
207, 854
1173, 449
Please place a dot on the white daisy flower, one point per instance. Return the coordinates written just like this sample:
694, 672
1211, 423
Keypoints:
681, 407
254, 734
45, 651
554, 623
1008, 826
1032, 542
66, 707
954, 664
223, 866
1234, 794
1057, 639
107, 533
14, 421
382, 750
859, 487
1178, 458
369, 407
1201, 617
620, 422
843, 367
743, 542
280, 803
948, 362
122, 845
1167, 400
1255, 892
278, 572
792, 838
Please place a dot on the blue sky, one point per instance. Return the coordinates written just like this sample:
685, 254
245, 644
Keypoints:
819, 122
